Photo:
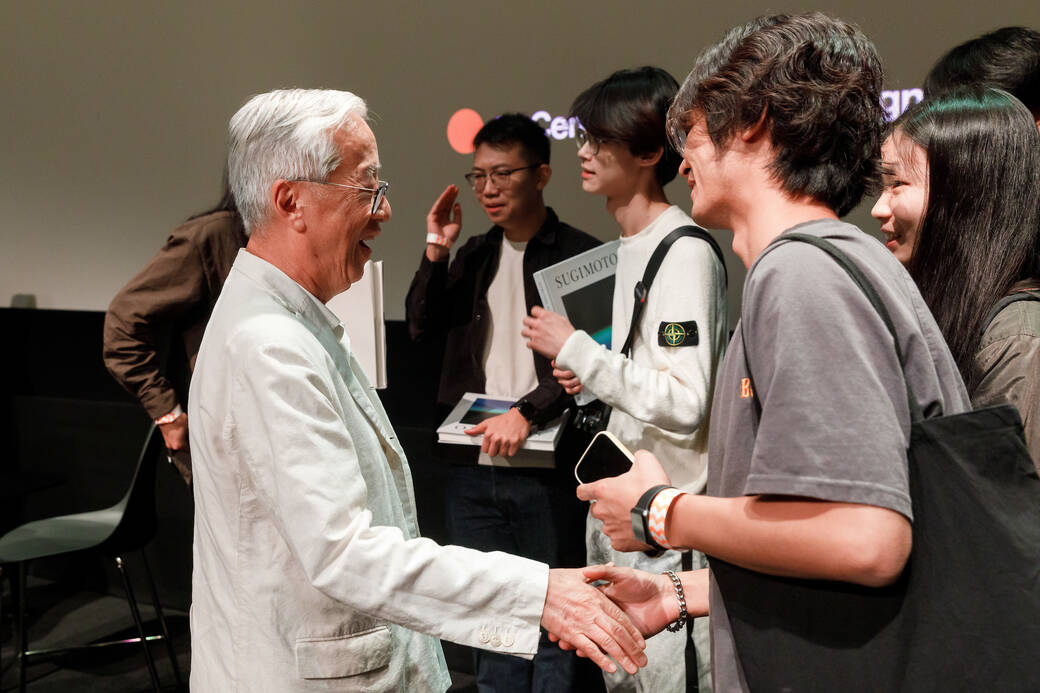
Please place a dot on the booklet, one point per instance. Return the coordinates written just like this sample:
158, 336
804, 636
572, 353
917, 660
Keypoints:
361, 309
581, 288
475, 407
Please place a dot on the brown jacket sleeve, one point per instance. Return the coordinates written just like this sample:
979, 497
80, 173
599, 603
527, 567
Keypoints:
170, 298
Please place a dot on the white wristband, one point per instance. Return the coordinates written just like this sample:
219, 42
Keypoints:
437, 239
170, 417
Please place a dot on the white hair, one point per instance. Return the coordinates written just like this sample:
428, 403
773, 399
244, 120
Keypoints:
287, 134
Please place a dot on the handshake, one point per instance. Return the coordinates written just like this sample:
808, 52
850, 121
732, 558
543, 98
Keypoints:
610, 621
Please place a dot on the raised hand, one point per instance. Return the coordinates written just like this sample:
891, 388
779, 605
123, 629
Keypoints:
503, 434
616, 496
445, 220
579, 614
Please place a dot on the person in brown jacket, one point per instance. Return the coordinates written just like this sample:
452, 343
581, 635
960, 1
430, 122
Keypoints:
154, 324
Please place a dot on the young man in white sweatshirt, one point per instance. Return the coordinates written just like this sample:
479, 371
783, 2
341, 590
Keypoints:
661, 392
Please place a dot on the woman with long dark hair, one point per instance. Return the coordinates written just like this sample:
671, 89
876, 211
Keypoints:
961, 209
154, 325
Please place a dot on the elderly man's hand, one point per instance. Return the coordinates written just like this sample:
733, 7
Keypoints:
503, 434
579, 614
648, 599
546, 331
568, 380
445, 220
616, 496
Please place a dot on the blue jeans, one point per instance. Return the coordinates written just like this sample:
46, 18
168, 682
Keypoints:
530, 513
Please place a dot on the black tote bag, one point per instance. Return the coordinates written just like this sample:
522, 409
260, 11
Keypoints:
965, 613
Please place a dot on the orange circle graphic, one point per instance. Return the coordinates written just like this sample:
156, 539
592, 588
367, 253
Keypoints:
462, 127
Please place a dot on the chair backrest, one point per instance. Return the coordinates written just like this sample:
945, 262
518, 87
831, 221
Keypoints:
138, 525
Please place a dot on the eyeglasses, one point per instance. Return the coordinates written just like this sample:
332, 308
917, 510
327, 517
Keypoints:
500, 177
378, 193
583, 137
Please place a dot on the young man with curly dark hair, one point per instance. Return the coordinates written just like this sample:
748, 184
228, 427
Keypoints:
780, 126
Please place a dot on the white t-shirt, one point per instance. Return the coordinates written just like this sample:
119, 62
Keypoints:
508, 363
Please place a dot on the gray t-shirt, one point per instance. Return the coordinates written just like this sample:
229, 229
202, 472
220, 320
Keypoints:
835, 422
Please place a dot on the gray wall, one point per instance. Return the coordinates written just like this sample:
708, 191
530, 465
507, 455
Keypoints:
115, 112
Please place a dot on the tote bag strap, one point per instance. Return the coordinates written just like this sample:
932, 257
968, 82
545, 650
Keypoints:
868, 289
654, 263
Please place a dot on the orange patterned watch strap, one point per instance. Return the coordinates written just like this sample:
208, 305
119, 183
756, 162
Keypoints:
659, 508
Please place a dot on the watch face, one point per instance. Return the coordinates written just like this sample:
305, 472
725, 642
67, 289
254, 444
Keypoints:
525, 408
639, 524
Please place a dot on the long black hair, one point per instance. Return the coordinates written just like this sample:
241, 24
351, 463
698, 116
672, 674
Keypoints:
981, 229
226, 202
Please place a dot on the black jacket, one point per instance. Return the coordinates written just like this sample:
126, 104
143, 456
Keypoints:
450, 302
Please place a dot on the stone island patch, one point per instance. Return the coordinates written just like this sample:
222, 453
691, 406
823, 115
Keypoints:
677, 334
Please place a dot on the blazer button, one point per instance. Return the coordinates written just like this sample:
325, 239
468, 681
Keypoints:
485, 636
508, 640
496, 642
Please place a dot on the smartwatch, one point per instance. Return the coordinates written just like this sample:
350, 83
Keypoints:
640, 515
526, 409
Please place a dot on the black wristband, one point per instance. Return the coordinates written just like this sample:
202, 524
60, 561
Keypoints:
640, 513
526, 409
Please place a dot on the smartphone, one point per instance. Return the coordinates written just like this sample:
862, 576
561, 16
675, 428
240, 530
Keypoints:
606, 456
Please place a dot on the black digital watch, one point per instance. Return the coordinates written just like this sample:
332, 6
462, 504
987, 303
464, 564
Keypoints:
526, 409
640, 514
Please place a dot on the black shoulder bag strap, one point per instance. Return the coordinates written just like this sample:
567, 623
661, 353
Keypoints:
1028, 295
598, 419
643, 286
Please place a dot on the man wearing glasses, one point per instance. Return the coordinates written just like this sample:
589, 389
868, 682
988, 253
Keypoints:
661, 392
309, 569
501, 497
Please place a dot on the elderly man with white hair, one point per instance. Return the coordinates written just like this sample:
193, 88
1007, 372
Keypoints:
310, 573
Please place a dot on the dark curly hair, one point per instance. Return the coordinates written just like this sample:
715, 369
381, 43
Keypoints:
1007, 58
631, 106
817, 80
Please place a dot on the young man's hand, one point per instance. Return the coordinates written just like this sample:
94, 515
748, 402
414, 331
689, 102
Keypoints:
616, 496
546, 331
568, 380
445, 220
503, 434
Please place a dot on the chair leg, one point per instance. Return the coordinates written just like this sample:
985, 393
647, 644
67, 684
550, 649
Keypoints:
23, 639
137, 621
2, 624
162, 621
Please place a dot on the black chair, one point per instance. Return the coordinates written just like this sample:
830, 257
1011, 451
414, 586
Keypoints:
126, 526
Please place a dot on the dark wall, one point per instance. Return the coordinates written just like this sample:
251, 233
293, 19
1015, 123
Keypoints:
73, 436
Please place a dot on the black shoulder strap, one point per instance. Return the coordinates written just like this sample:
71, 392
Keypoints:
1028, 295
654, 264
865, 285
